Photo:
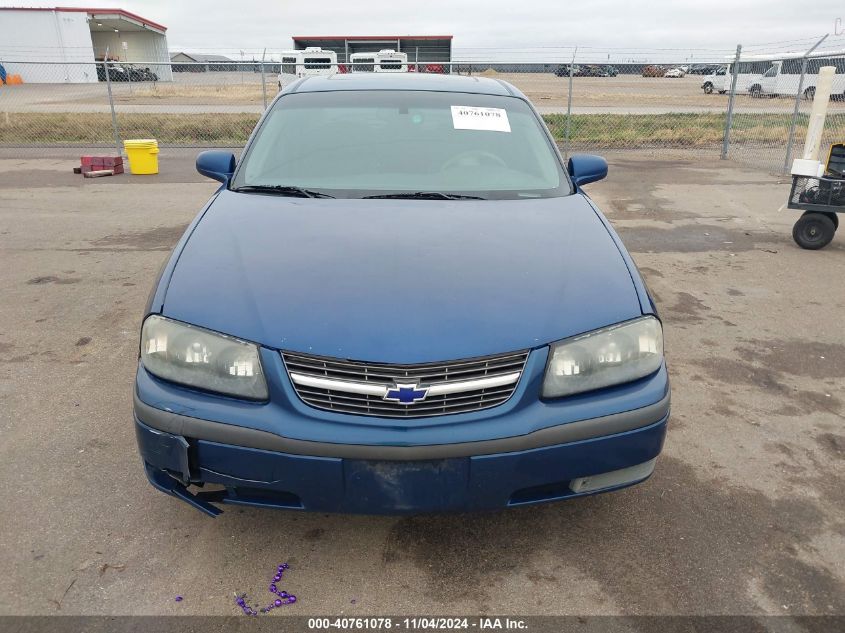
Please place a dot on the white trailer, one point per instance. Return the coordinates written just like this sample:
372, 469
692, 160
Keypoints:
306, 63
386, 60
784, 74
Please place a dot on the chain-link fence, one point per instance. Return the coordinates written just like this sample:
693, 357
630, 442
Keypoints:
590, 102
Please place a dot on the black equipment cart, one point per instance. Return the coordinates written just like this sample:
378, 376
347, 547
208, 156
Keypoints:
821, 199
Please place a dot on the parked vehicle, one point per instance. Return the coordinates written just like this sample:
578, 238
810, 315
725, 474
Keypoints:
310, 62
140, 74
703, 69
593, 70
116, 72
782, 78
715, 81
588, 70
563, 70
437, 69
336, 334
125, 72
675, 72
720, 80
653, 71
383, 61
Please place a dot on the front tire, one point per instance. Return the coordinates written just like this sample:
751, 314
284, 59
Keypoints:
756, 91
810, 93
708, 88
813, 230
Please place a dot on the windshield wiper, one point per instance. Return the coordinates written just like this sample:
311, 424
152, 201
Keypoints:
282, 190
427, 195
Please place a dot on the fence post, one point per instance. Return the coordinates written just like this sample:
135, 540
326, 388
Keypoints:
117, 143
263, 82
795, 110
726, 139
569, 107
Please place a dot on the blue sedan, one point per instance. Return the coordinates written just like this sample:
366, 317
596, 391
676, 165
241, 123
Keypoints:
399, 300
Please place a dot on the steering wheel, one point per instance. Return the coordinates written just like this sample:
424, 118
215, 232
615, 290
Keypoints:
473, 158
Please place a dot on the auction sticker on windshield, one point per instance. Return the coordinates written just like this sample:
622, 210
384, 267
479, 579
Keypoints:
475, 118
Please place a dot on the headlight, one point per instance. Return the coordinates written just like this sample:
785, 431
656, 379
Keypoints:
199, 358
610, 356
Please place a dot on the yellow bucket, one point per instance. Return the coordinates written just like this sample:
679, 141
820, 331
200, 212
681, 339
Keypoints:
143, 155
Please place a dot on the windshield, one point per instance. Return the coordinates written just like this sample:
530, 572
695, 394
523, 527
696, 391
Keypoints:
362, 143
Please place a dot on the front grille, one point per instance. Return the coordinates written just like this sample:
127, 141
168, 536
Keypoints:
340, 383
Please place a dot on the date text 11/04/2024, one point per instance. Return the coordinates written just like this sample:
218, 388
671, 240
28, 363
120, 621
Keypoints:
417, 623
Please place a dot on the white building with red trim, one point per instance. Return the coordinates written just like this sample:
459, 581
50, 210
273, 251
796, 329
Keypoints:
62, 44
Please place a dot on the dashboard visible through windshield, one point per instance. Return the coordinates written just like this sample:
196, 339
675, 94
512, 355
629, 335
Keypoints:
382, 143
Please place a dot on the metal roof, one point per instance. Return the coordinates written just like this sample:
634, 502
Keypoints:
372, 37
198, 57
132, 17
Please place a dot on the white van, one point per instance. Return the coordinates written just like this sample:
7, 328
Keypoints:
783, 76
386, 60
306, 63
720, 81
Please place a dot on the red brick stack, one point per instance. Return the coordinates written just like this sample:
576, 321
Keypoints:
102, 163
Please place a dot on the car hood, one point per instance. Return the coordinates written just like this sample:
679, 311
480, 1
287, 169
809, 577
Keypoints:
400, 281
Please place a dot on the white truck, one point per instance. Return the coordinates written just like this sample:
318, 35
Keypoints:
306, 63
386, 60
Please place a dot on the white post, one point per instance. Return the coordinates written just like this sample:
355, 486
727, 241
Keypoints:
815, 126
263, 81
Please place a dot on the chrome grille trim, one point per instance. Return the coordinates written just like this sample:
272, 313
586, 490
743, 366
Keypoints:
374, 389
360, 388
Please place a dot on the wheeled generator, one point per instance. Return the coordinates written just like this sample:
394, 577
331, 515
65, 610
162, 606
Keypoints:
821, 198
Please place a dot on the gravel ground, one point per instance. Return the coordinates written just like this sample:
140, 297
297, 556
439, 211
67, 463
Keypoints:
745, 513
236, 92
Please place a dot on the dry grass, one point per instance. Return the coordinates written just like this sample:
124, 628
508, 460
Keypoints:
588, 131
225, 130
188, 94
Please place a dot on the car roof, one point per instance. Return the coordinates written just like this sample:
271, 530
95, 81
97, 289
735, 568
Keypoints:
434, 82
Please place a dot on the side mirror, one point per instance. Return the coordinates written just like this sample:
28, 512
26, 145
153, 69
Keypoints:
216, 164
586, 168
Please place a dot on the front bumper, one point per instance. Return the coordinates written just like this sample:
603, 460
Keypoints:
381, 482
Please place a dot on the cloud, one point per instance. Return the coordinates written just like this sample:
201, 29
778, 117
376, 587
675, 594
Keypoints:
631, 29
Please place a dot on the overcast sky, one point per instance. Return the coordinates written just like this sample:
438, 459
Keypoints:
623, 26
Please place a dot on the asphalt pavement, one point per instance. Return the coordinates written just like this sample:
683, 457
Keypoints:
745, 513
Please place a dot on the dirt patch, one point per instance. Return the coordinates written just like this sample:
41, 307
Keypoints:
157, 239
687, 307
733, 372
315, 534
813, 359
52, 279
696, 238
648, 273
832, 444
714, 544
817, 402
